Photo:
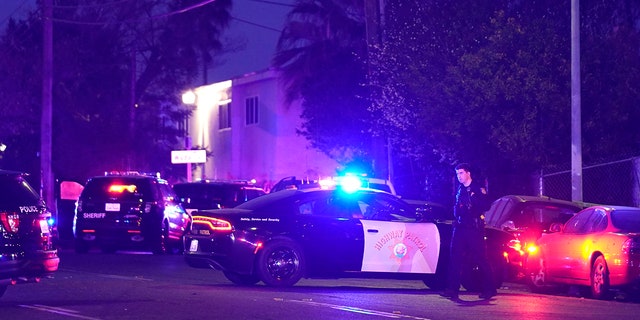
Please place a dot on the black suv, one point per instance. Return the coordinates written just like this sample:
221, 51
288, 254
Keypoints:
26, 249
129, 210
215, 194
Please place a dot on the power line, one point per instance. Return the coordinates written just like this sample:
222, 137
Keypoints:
90, 6
276, 3
160, 16
257, 25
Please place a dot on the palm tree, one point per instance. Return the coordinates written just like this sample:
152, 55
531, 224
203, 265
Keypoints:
316, 32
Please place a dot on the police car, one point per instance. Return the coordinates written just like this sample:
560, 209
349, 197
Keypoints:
284, 236
27, 252
130, 210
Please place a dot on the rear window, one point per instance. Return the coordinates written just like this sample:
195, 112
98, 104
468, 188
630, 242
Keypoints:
16, 191
121, 189
529, 214
626, 220
204, 192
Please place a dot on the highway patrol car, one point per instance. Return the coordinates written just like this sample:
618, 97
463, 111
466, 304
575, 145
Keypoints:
282, 237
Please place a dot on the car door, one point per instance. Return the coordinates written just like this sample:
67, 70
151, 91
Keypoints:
330, 232
584, 244
394, 240
563, 254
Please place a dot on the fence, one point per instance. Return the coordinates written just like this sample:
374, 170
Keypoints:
613, 183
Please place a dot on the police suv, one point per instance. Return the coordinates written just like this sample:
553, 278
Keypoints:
129, 210
27, 253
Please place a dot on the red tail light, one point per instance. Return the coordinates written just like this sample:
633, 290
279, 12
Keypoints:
516, 245
631, 247
10, 221
212, 223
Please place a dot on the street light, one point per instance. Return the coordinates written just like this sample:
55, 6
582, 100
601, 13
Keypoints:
188, 98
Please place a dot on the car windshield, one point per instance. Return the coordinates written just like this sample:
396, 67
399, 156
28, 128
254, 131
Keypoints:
16, 190
380, 186
626, 220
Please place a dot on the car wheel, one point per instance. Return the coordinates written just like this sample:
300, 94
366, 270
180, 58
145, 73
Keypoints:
81, 246
538, 277
600, 279
3, 289
434, 281
280, 263
241, 279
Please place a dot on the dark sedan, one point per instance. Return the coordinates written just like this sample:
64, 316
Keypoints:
284, 236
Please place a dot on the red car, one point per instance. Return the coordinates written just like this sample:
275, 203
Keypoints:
598, 248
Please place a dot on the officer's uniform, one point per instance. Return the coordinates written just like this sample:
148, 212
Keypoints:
468, 239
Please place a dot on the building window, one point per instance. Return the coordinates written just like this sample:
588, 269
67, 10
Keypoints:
224, 116
252, 110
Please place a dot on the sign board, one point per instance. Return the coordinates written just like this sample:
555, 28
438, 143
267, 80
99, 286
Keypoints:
188, 156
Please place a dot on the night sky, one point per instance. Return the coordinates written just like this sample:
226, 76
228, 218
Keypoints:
255, 26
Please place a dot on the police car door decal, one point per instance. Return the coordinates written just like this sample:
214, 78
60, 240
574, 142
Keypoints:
400, 247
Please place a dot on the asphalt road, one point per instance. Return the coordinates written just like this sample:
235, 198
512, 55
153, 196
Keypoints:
128, 285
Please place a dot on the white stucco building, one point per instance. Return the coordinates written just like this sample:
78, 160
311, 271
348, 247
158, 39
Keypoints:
250, 133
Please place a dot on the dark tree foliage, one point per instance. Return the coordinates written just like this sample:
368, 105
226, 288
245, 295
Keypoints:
119, 70
19, 106
488, 82
321, 55
610, 58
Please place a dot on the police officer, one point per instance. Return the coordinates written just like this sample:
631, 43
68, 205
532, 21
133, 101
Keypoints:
467, 239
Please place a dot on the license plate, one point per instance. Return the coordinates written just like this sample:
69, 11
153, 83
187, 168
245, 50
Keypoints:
111, 207
44, 226
193, 246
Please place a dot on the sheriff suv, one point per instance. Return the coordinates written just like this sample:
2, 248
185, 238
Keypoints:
27, 253
129, 210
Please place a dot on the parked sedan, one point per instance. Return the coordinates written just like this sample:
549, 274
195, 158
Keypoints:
527, 218
598, 248
284, 236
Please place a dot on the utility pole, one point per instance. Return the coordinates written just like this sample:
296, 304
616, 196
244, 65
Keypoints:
46, 140
576, 116
374, 24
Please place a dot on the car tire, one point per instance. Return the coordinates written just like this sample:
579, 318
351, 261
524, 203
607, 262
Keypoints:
600, 288
435, 281
281, 263
241, 279
3, 289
